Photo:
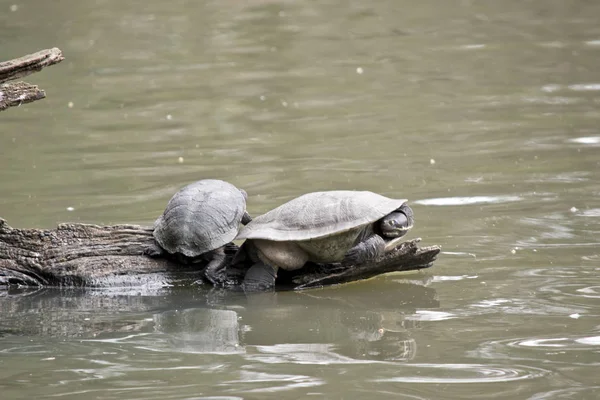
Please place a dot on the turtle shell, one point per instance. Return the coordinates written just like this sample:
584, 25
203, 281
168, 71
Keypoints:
201, 217
320, 214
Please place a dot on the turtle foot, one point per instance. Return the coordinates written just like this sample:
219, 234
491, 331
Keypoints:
217, 278
215, 270
368, 249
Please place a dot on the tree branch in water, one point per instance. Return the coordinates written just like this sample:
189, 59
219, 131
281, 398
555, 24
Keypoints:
83, 255
17, 93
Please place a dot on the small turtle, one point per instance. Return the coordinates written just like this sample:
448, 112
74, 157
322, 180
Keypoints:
335, 226
199, 221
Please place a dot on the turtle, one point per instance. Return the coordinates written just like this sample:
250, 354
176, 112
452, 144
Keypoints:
342, 226
199, 220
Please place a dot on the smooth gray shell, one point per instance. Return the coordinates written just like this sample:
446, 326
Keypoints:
201, 217
320, 214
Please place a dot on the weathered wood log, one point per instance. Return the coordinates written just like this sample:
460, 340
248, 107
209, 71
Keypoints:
17, 93
27, 65
83, 255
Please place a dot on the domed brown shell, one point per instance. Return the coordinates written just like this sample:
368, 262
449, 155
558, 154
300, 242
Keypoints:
320, 214
201, 217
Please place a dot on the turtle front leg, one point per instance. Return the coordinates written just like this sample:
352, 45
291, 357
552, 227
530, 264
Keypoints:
215, 269
369, 249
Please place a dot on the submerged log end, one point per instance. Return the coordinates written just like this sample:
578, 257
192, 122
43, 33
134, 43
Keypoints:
17, 93
406, 257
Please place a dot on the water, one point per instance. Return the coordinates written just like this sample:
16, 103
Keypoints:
484, 114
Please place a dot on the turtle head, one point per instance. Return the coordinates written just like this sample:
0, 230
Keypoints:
397, 223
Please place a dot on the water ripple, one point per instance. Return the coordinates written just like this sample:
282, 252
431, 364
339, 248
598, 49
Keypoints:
592, 212
554, 349
272, 382
574, 393
461, 201
520, 306
585, 87
444, 278
557, 272
561, 342
577, 293
586, 140
465, 373
590, 292
33, 349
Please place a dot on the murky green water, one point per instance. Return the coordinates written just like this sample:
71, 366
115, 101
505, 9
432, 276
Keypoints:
485, 114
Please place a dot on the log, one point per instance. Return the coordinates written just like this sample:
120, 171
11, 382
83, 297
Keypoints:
27, 65
85, 255
17, 93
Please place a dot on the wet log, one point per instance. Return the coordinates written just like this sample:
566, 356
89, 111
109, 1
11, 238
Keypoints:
16, 93
84, 255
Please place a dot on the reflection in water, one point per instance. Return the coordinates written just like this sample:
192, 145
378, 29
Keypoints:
350, 325
428, 315
347, 323
201, 330
73, 313
120, 338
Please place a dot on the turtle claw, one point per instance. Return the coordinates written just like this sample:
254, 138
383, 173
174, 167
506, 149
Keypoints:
353, 257
216, 276
215, 270
217, 279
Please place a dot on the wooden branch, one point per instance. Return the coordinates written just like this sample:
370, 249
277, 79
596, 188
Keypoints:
17, 93
26, 65
78, 255
407, 257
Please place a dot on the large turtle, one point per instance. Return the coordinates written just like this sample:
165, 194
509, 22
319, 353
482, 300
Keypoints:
334, 226
199, 221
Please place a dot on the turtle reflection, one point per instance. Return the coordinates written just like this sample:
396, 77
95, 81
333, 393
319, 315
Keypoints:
346, 324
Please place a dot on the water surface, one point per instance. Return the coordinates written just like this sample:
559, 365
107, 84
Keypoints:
484, 114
